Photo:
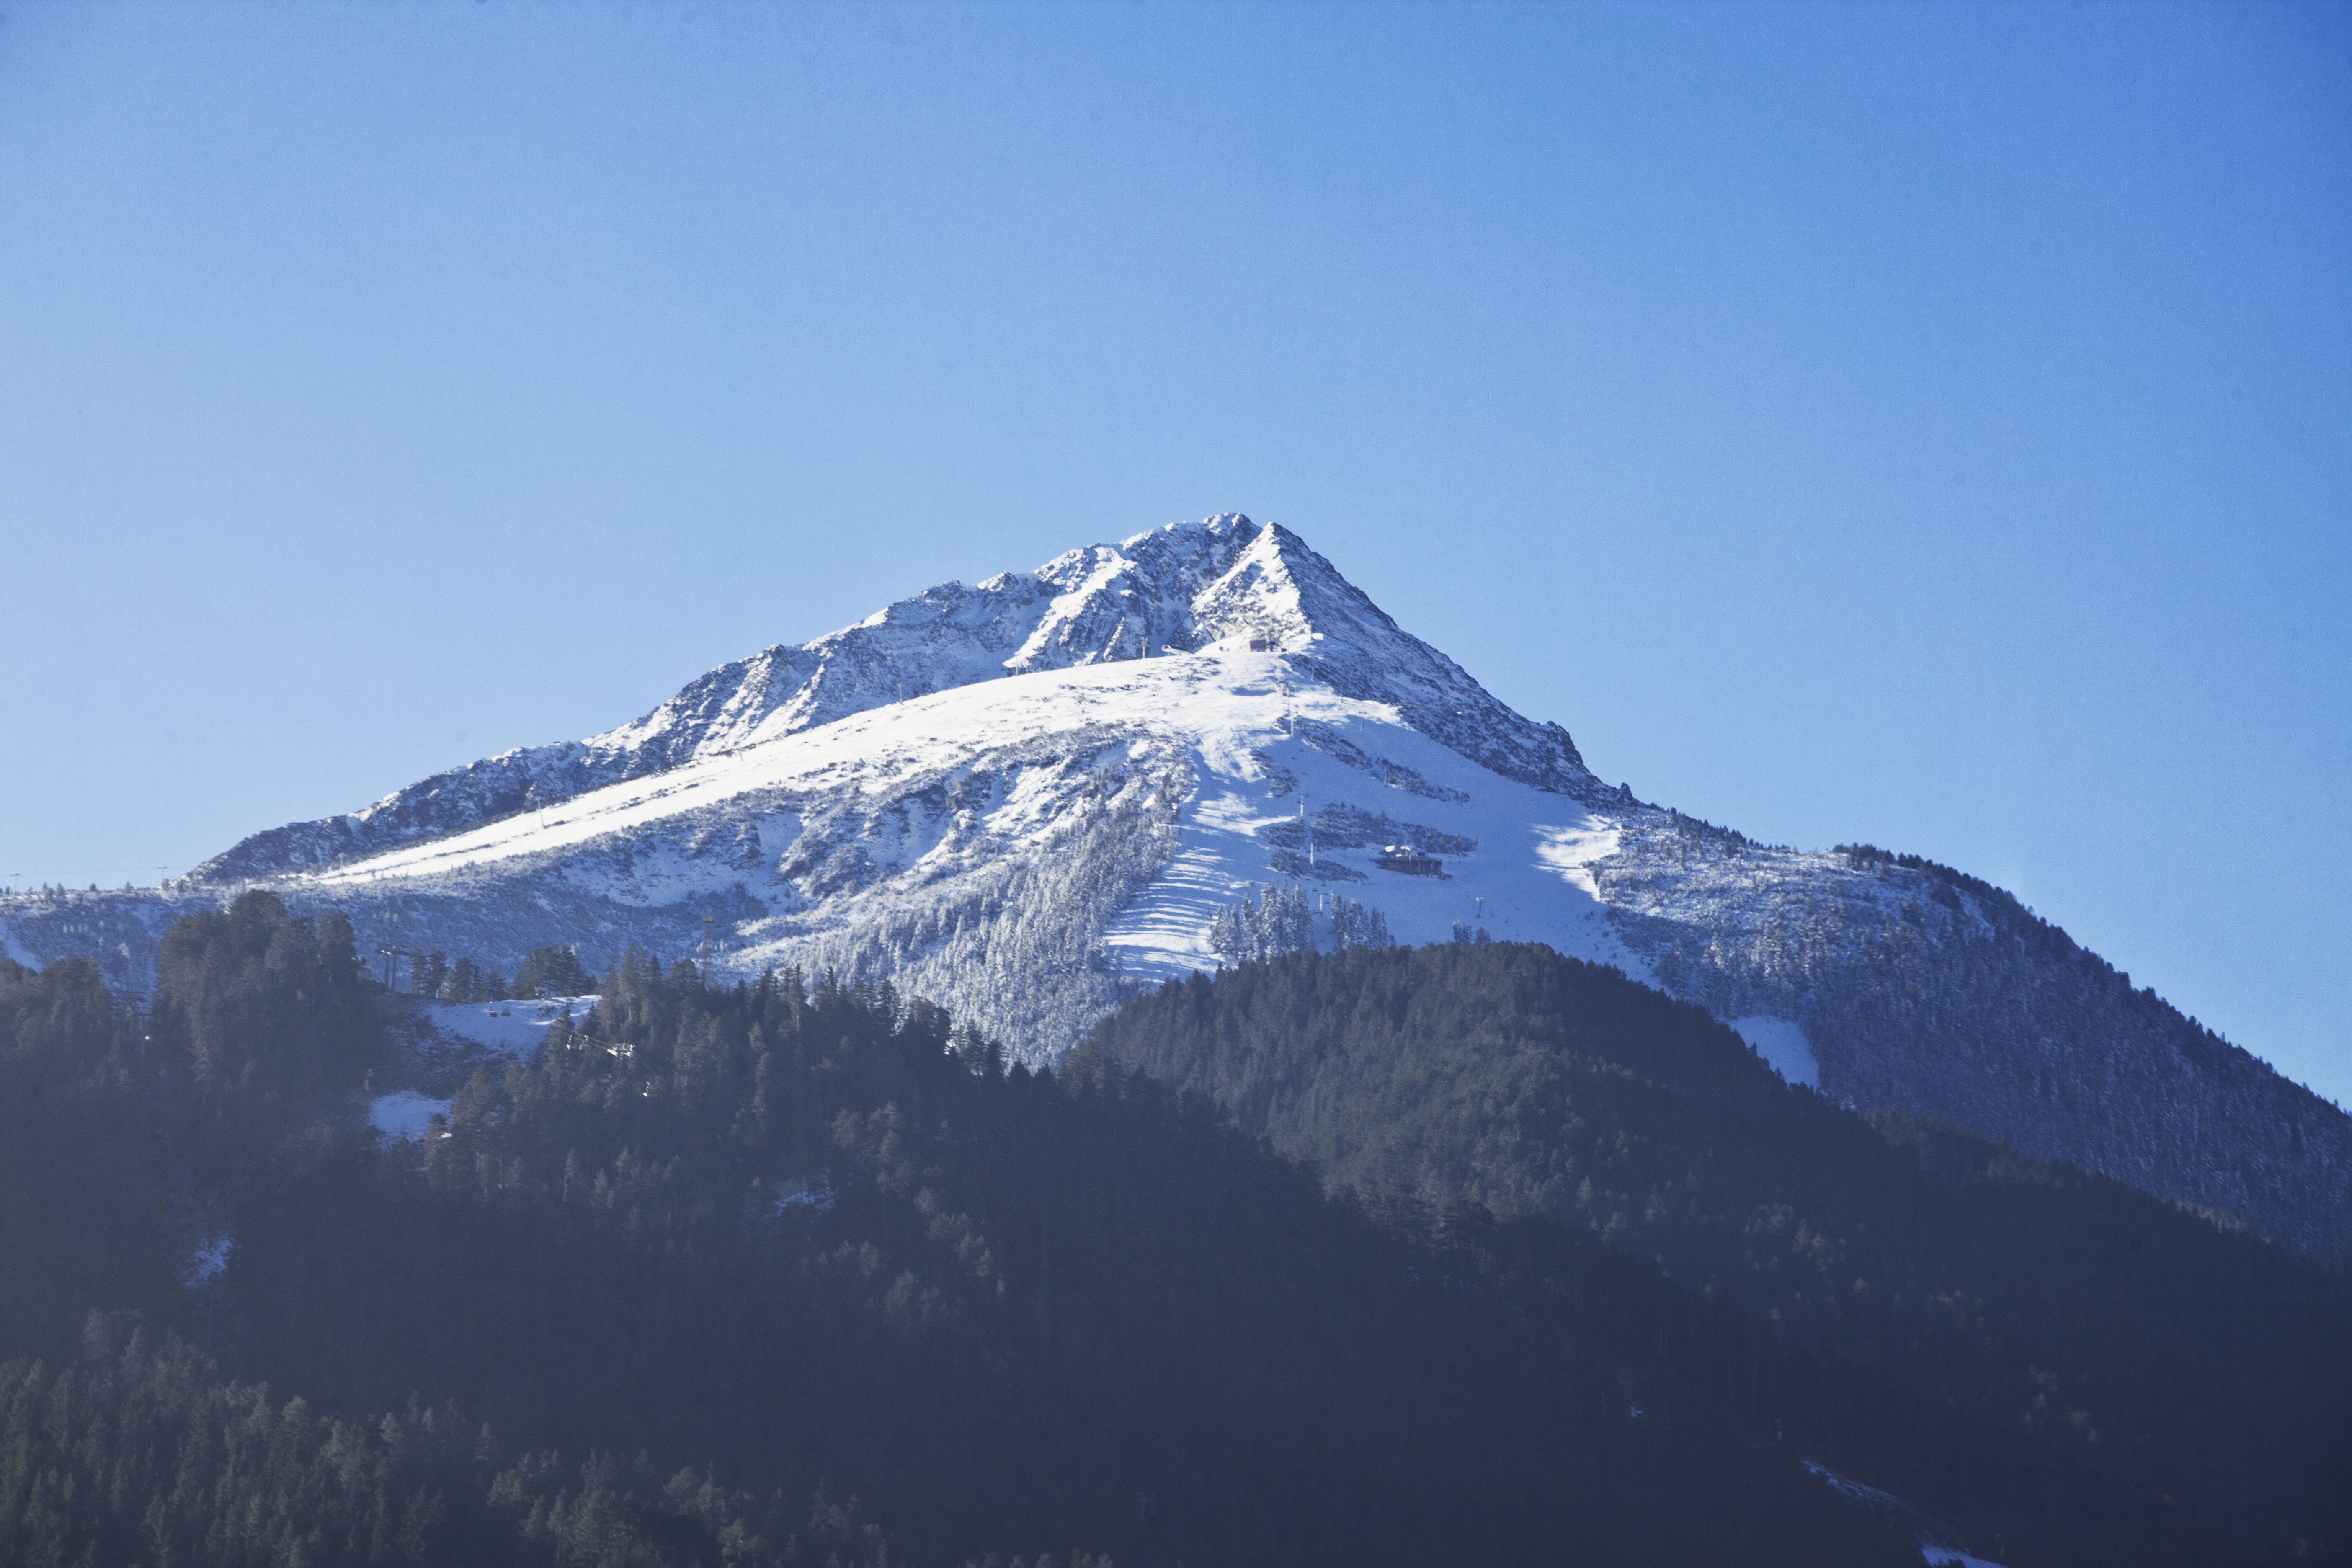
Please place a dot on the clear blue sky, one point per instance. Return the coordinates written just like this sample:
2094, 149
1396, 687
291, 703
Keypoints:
1930, 426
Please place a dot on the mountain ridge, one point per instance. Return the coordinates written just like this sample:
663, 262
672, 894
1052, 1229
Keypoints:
1029, 798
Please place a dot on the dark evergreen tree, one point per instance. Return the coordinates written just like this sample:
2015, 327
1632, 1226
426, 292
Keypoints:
553, 972
256, 1000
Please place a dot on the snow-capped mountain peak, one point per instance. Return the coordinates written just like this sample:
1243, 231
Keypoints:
1221, 583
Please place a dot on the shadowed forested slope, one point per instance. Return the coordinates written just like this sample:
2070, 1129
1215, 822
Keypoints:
718, 1262
2209, 1372
791, 1272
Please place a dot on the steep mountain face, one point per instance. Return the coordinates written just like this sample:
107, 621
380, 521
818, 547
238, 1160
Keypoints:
1027, 799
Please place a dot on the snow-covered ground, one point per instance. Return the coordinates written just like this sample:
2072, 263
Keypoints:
16, 952
513, 1028
1024, 799
878, 821
405, 1114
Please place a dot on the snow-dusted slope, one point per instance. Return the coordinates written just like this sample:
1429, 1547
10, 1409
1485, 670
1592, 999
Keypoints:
1016, 848
1026, 798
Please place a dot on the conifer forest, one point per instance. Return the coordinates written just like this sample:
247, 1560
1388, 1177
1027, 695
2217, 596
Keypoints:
1382, 1255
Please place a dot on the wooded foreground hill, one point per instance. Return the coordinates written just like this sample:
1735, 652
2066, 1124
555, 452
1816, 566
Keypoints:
2203, 1368
796, 1272
780, 1273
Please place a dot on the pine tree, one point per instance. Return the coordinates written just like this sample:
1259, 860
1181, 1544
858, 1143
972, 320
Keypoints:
1355, 925
553, 971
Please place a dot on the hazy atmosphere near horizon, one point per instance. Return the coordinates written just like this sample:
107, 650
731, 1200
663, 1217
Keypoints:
1929, 426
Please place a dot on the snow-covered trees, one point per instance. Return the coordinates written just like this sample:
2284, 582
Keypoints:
553, 971
1017, 948
1282, 920
1278, 922
1357, 925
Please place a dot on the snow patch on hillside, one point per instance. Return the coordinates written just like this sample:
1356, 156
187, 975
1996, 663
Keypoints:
513, 1028
1930, 1532
1953, 1557
1573, 851
405, 1115
1782, 1042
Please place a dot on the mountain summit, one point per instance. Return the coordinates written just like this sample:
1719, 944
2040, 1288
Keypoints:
1029, 798
1223, 585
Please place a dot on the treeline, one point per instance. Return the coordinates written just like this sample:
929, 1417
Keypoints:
1867, 1283
553, 971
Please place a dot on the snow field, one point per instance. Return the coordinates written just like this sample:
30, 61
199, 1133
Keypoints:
406, 1115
